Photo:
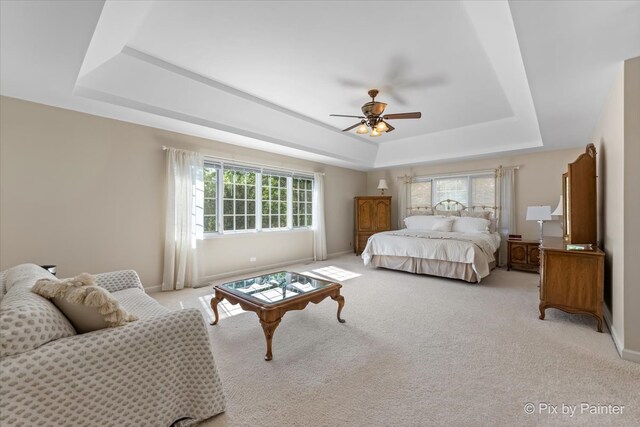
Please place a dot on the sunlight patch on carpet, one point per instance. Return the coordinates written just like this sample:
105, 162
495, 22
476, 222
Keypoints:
333, 273
225, 308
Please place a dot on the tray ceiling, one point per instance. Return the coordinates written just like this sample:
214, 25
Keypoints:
268, 74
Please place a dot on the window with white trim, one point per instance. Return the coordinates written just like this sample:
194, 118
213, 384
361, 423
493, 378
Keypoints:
470, 190
241, 198
302, 202
274, 201
210, 198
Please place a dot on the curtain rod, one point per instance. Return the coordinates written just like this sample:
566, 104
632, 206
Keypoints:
462, 173
224, 159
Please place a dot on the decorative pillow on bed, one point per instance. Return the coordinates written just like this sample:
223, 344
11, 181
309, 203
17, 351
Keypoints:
476, 214
443, 224
414, 212
447, 213
421, 222
471, 225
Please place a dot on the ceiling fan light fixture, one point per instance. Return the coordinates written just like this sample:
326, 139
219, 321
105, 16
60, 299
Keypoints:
375, 132
381, 126
362, 129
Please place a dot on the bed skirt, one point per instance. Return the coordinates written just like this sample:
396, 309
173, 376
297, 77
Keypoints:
434, 267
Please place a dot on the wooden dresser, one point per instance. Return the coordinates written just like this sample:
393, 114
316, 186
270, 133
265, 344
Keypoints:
571, 280
373, 214
523, 255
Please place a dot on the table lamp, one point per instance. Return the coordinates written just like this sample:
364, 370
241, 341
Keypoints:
540, 214
382, 185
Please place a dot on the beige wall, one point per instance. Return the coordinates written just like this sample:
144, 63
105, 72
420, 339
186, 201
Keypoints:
617, 136
632, 206
538, 182
609, 140
87, 193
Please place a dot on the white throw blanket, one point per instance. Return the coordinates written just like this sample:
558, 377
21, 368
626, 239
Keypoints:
476, 249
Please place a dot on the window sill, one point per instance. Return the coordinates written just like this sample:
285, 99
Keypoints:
245, 234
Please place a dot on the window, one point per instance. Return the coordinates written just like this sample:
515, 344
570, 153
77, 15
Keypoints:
470, 190
421, 194
239, 202
451, 188
239, 198
483, 190
210, 197
274, 201
302, 202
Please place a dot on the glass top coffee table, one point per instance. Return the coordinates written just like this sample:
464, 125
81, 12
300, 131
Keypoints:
270, 296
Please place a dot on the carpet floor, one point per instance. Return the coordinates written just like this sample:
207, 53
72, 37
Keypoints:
418, 351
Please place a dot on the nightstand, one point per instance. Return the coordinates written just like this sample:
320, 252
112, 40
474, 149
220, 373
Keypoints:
523, 255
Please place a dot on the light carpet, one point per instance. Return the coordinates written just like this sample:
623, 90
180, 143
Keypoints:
418, 351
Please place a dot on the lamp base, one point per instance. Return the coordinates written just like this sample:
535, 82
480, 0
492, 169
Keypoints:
541, 223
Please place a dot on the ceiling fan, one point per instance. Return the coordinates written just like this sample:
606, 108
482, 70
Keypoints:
374, 122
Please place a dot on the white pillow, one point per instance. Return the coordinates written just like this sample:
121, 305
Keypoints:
470, 225
443, 224
493, 225
421, 222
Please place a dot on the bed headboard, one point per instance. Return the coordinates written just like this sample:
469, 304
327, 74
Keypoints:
449, 205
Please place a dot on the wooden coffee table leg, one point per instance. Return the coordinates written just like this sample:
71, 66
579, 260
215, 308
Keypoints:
269, 328
340, 299
214, 306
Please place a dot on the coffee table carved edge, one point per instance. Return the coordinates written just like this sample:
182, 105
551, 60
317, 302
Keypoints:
271, 315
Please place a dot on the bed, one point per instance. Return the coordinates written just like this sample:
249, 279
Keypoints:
466, 250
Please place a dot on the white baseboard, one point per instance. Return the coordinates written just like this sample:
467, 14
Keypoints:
208, 279
337, 254
625, 353
152, 289
631, 355
205, 281
608, 319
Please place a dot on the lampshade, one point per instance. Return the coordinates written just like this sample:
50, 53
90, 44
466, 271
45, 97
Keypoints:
381, 126
375, 132
362, 129
539, 213
382, 185
559, 210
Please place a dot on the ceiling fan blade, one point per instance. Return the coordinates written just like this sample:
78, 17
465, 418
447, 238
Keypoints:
389, 127
344, 115
415, 115
351, 127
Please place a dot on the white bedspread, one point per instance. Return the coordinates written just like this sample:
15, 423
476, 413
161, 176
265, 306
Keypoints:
476, 249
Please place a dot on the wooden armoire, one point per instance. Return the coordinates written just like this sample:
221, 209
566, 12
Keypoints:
373, 214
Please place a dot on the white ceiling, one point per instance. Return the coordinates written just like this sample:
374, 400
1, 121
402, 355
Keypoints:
488, 77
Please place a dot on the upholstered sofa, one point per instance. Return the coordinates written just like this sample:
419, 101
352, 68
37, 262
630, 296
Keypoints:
155, 371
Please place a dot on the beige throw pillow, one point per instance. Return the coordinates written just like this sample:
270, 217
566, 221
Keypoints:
88, 307
447, 213
476, 214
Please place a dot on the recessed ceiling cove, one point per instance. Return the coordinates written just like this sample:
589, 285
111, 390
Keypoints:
268, 74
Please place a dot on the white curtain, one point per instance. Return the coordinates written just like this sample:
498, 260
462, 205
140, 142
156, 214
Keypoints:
319, 235
404, 187
185, 199
507, 200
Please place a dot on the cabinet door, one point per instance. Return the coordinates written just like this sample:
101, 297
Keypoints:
383, 215
534, 255
366, 215
518, 253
